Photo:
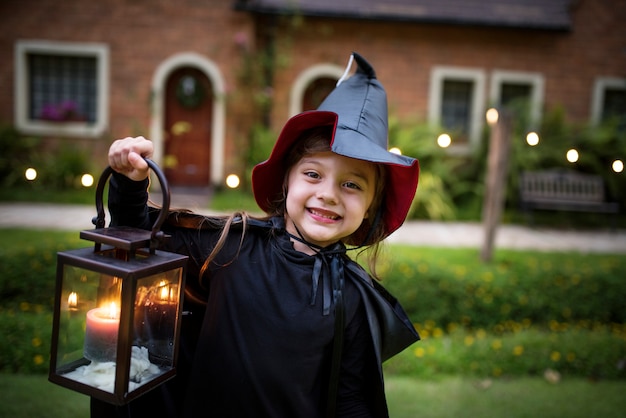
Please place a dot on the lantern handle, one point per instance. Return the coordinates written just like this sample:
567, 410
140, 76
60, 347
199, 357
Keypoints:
157, 234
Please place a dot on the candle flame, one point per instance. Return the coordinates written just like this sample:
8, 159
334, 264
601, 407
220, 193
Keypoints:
114, 313
72, 300
163, 290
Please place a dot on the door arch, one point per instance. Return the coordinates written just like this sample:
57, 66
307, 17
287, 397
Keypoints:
299, 94
158, 126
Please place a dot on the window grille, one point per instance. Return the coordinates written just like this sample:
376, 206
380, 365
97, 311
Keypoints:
62, 87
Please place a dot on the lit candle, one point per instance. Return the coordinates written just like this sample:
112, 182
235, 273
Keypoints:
101, 333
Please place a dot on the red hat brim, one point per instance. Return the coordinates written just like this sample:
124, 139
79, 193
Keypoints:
402, 178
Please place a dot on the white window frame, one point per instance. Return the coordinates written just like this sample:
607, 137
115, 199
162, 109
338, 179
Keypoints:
476, 76
30, 126
600, 85
535, 80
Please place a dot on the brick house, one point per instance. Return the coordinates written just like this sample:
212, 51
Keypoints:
196, 75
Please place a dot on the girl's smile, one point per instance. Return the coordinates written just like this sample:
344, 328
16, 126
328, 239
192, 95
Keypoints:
328, 196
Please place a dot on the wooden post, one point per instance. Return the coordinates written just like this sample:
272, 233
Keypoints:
495, 182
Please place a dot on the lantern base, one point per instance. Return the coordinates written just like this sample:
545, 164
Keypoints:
101, 375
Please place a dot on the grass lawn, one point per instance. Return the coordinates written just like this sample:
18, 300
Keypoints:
27, 396
512, 398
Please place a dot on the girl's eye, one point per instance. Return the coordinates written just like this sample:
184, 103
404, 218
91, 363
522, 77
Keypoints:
312, 174
352, 185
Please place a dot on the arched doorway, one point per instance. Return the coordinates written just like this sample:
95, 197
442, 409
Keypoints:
188, 127
312, 86
217, 120
317, 91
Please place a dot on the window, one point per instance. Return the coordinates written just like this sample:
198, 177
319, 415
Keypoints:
456, 107
457, 103
511, 88
61, 88
609, 100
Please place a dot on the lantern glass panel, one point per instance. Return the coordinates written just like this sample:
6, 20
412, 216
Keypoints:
89, 326
155, 316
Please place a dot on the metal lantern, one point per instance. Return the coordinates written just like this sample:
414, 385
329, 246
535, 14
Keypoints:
117, 310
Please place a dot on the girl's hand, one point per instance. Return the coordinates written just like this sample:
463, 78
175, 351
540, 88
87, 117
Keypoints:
126, 156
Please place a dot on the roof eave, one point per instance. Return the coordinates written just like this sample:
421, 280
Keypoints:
260, 10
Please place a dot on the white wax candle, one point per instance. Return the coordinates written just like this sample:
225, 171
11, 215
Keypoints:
101, 334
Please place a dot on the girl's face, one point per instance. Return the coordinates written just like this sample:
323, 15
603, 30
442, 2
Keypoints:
328, 196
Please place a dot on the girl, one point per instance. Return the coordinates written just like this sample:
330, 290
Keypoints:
280, 321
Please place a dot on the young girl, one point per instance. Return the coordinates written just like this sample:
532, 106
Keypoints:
280, 322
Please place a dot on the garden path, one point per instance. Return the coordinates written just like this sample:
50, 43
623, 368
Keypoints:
420, 233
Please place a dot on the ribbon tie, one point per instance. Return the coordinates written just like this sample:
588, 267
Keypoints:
328, 267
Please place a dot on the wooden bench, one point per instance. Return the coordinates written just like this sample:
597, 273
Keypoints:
564, 190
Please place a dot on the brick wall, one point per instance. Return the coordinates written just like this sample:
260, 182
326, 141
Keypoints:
403, 55
141, 34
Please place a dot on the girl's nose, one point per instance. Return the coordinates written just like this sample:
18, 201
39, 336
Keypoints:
328, 193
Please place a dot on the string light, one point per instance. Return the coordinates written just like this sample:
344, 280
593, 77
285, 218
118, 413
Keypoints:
572, 155
532, 139
444, 140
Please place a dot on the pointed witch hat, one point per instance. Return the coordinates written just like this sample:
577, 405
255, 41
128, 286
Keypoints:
357, 111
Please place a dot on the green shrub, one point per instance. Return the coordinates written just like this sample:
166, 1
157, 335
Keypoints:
16, 155
57, 169
521, 314
452, 184
598, 352
26, 333
453, 286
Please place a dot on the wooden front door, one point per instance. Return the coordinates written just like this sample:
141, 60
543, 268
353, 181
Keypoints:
188, 110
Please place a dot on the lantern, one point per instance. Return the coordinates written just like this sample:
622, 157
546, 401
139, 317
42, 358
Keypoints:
117, 309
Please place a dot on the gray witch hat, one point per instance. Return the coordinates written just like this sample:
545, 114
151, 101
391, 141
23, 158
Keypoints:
357, 110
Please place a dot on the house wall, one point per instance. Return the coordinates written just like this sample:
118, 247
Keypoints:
404, 54
141, 34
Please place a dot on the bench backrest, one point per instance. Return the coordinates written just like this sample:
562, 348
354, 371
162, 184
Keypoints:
561, 185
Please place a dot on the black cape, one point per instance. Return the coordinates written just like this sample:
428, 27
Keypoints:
258, 334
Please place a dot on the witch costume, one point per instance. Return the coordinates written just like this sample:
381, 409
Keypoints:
270, 331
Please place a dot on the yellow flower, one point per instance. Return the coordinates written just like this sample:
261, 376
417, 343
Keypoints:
437, 332
38, 359
469, 340
518, 350
554, 325
24, 306
36, 341
555, 356
570, 357
497, 371
496, 344
419, 352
